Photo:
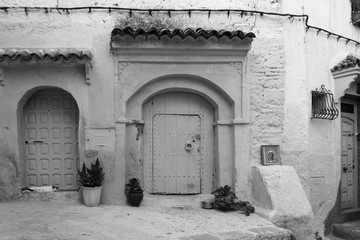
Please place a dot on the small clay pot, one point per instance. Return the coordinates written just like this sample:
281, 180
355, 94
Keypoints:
207, 205
134, 198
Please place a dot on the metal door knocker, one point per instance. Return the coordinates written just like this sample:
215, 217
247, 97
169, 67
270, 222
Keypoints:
188, 146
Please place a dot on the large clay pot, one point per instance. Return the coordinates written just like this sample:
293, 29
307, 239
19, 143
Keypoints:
134, 198
91, 196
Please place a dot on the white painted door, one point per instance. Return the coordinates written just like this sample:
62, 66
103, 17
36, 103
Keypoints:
51, 141
348, 155
178, 144
176, 153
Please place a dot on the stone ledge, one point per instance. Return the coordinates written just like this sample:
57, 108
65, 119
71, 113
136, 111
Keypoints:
279, 197
263, 233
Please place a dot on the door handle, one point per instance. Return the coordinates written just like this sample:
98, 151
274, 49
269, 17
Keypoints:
27, 142
188, 146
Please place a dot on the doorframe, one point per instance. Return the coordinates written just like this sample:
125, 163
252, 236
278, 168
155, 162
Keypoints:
21, 124
356, 163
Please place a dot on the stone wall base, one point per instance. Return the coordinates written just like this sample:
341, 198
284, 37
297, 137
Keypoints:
279, 197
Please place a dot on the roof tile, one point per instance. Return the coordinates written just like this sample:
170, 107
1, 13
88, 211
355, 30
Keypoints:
159, 33
63, 54
349, 61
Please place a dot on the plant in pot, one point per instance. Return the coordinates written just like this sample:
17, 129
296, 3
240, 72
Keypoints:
226, 200
134, 193
90, 180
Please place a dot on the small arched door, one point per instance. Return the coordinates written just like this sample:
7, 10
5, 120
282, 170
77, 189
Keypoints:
348, 154
178, 144
50, 126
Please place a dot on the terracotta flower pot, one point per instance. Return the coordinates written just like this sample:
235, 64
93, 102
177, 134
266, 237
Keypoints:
134, 198
91, 196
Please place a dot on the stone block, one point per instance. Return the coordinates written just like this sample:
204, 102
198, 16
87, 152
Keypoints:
279, 197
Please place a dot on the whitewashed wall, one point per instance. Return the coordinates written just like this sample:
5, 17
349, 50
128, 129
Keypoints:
285, 64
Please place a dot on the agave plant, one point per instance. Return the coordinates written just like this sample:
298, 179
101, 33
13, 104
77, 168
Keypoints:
91, 177
133, 186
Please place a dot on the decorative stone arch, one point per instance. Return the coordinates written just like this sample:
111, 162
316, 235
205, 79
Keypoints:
217, 97
221, 102
20, 123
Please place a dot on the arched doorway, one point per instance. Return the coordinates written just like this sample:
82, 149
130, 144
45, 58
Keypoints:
50, 139
349, 153
178, 144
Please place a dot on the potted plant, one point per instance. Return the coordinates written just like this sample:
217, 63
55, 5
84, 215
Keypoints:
226, 200
90, 180
134, 193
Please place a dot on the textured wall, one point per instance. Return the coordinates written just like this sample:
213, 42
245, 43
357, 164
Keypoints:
284, 65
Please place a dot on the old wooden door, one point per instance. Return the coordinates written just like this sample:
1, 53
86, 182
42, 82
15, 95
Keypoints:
176, 153
178, 144
51, 140
348, 154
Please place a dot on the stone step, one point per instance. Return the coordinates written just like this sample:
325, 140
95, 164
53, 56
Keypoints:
259, 233
348, 230
61, 196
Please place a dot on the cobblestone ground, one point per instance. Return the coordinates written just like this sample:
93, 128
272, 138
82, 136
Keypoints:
158, 217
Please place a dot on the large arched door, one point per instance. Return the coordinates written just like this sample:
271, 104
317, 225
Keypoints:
50, 125
178, 144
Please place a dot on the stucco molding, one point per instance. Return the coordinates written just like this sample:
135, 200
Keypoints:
123, 66
231, 123
88, 68
237, 66
2, 77
344, 79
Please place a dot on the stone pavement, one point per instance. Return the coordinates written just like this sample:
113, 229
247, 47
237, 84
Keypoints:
347, 230
158, 217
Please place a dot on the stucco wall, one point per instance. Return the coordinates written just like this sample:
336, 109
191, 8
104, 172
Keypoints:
81, 29
284, 65
312, 145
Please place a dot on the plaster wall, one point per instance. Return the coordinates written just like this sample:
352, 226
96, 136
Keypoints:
80, 29
284, 64
312, 146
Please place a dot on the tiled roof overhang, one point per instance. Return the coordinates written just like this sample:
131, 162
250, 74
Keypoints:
189, 32
345, 73
64, 56
176, 42
45, 55
349, 61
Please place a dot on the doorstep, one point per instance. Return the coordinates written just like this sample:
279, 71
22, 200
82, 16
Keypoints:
60, 196
259, 233
347, 230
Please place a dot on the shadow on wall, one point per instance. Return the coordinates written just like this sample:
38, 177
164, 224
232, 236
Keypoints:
334, 213
9, 172
6, 153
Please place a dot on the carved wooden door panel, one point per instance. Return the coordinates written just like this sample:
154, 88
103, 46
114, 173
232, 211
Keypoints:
176, 153
51, 140
347, 163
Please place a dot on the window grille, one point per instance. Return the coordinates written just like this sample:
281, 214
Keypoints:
323, 104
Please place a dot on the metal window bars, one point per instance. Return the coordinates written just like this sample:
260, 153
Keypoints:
323, 104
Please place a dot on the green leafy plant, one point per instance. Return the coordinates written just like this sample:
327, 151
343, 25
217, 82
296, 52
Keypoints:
225, 198
317, 236
133, 186
91, 177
